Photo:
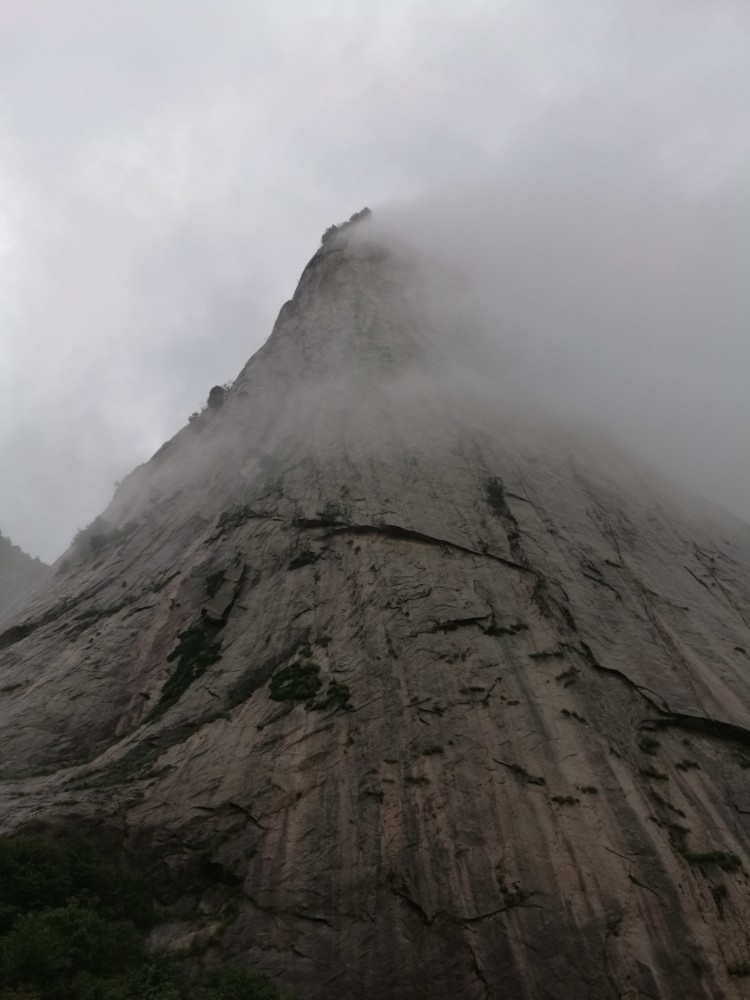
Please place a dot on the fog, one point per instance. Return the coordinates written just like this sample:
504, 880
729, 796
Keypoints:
603, 300
578, 173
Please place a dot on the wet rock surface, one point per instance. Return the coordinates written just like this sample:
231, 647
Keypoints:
451, 705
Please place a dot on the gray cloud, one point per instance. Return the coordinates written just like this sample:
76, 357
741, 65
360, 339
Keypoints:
166, 170
616, 304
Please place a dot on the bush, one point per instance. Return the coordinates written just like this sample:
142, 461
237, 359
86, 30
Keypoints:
297, 682
92, 539
69, 919
34, 873
38, 872
73, 928
48, 947
235, 983
216, 397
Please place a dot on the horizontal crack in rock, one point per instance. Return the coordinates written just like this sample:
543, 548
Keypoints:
396, 531
670, 718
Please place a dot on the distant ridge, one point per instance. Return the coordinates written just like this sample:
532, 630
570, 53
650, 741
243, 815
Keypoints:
18, 572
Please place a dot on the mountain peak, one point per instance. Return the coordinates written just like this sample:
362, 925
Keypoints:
353, 316
330, 234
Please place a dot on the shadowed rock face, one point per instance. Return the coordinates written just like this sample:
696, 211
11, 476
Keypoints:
450, 704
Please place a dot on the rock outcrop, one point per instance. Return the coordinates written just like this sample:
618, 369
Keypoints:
444, 702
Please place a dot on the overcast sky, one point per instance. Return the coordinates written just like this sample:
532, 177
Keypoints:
167, 168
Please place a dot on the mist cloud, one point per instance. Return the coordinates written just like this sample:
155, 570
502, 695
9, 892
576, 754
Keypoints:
582, 284
167, 170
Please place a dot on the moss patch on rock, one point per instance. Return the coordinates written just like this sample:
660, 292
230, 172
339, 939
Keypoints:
197, 649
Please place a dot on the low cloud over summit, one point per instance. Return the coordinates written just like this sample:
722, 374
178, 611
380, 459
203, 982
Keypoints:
167, 172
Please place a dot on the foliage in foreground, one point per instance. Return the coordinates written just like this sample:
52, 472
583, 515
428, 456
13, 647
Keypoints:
73, 925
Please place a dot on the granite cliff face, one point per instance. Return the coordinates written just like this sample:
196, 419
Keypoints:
398, 695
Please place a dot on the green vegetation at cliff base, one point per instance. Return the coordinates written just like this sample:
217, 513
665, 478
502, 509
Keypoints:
73, 925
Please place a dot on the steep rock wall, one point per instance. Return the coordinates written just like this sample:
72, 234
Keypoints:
468, 715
